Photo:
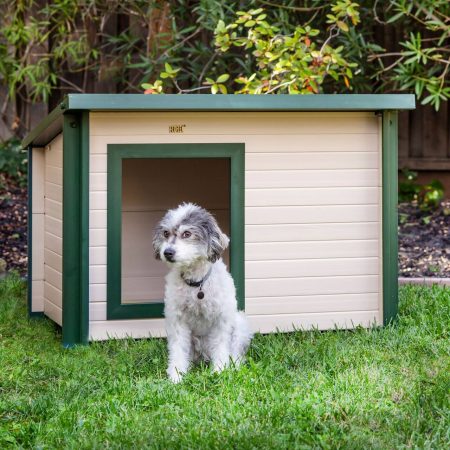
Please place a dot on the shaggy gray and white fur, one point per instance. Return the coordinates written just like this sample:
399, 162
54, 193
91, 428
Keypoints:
190, 241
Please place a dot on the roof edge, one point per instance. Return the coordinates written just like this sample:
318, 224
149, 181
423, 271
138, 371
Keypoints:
46, 129
240, 102
51, 125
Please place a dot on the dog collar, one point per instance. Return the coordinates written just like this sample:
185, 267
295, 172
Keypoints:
192, 283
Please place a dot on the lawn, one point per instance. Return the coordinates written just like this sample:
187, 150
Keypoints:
378, 388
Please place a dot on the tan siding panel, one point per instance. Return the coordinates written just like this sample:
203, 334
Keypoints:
103, 330
53, 191
97, 274
97, 237
97, 292
53, 311
53, 259
260, 143
52, 294
98, 163
53, 174
97, 182
113, 124
98, 219
311, 178
53, 226
302, 143
53, 209
276, 287
37, 303
97, 255
53, 156
53, 243
310, 250
37, 249
323, 267
312, 304
38, 179
310, 197
311, 232
54, 277
321, 321
322, 161
311, 214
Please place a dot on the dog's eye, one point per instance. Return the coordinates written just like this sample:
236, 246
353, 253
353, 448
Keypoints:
186, 234
166, 234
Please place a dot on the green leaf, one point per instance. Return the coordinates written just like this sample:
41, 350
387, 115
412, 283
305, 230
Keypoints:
223, 78
214, 89
342, 25
249, 23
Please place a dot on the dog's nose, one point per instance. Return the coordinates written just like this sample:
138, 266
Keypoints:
169, 253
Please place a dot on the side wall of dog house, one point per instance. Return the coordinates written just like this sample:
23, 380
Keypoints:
53, 229
312, 213
38, 223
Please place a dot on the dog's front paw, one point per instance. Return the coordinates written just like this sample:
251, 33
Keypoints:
174, 375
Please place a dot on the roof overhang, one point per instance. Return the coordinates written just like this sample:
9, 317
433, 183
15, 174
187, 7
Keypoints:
49, 127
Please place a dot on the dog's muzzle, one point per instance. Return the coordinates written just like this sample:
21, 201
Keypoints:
169, 254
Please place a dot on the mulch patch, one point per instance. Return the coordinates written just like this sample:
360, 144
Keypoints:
424, 241
13, 225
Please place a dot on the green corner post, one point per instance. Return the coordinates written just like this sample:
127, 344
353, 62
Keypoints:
389, 216
75, 229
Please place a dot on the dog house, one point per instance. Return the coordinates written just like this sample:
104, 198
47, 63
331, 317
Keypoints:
305, 186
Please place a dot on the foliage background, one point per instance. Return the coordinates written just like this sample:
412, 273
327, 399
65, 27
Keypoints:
48, 48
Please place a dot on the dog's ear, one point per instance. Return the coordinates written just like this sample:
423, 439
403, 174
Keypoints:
158, 239
217, 241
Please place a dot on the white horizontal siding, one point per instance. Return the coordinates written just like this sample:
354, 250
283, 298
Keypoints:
311, 214
312, 178
312, 303
316, 161
311, 197
103, 330
243, 124
38, 229
319, 267
323, 321
311, 232
53, 230
278, 287
313, 249
262, 251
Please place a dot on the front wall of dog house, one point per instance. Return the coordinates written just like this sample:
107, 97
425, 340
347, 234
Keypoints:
312, 213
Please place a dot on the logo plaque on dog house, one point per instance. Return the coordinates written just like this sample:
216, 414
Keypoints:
305, 186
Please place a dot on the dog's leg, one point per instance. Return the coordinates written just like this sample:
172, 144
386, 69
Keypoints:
219, 348
180, 351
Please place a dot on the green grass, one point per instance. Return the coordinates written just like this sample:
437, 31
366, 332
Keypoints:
378, 388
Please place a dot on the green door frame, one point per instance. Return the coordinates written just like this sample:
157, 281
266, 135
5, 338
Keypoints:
116, 152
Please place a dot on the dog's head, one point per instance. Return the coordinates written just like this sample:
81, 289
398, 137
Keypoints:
187, 234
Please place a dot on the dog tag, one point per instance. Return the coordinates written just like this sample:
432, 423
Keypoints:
200, 295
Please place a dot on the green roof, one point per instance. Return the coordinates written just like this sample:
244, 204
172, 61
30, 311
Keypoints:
48, 128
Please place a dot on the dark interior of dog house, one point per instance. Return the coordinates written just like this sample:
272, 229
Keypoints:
151, 186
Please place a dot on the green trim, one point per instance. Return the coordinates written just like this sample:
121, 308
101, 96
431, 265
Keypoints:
47, 129
75, 229
117, 152
52, 124
389, 216
208, 102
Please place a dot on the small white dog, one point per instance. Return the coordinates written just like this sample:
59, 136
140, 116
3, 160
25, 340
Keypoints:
200, 298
